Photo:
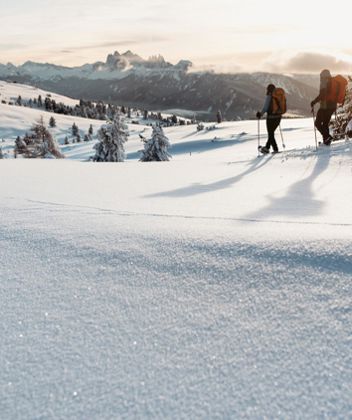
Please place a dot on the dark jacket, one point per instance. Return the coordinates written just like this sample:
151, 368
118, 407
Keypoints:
324, 89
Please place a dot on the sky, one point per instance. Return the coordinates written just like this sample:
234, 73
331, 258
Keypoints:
223, 35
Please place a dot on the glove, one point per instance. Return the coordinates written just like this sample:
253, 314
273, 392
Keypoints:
312, 104
259, 115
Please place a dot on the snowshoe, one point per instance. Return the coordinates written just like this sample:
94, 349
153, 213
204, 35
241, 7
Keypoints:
263, 149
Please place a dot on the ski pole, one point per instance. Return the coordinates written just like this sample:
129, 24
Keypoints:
258, 135
282, 138
315, 130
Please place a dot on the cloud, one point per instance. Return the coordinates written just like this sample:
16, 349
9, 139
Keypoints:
12, 46
216, 68
261, 29
310, 62
236, 62
113, 44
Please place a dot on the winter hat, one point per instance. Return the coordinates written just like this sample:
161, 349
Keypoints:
325, 74
270, 88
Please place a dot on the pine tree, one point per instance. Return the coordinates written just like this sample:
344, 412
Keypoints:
90, 130
112, 137
52, 122
344, 115
156, 149
1, 154
75, 130
219, 117
38, 144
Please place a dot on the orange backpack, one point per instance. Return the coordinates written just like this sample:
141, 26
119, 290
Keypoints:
337, 90
279, 102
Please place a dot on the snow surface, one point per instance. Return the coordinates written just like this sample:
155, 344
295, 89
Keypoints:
217, 285
11, 91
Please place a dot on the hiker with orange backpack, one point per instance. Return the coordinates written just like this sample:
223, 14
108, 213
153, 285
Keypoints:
332, 92
274, 107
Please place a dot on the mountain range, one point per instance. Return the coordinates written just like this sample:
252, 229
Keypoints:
155, 84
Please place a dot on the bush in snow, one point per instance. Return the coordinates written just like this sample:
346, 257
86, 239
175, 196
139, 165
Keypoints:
112, 137
38, 144
156, 148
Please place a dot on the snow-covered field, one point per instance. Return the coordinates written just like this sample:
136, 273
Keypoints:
217, 285
9, 92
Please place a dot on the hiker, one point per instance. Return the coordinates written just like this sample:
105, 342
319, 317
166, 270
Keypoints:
272, 120
327, 107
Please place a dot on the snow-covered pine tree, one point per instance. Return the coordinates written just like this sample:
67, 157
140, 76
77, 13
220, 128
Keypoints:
75, 130
156, 148
90, 130
112, 138
39, 143
348, 103
344, 114
52, 122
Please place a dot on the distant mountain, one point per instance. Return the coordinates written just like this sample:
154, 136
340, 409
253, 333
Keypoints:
116, 66
156, 84
312, 80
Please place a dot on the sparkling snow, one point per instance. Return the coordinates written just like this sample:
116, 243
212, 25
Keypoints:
217, 285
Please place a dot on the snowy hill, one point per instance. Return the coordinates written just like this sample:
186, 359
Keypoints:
155, 84
217, 285
9, 92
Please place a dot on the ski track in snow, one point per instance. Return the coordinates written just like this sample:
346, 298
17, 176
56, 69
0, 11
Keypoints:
181, 216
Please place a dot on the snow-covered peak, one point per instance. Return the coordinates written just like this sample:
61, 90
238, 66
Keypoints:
116, 66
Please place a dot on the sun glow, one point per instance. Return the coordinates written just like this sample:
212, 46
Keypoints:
250, 35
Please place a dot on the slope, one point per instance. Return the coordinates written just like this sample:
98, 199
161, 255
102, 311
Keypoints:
216, 285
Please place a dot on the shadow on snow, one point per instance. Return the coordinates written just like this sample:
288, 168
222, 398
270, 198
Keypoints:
195, 189
299, 200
